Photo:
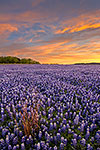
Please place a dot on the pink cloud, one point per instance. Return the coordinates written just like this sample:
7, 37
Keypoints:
7, 28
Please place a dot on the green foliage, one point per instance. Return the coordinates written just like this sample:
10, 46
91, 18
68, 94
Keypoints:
16, 60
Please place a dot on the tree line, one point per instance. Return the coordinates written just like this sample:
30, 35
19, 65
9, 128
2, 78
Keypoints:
16, 60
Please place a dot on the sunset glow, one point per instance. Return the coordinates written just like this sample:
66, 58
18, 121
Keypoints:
51, 31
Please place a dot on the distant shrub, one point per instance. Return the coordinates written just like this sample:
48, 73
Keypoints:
16, 60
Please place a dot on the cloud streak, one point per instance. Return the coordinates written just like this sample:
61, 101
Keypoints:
7, 28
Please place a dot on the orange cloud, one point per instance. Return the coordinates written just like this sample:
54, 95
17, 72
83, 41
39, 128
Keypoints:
85, 26
80, 23
62, 31
7, 27
78, 28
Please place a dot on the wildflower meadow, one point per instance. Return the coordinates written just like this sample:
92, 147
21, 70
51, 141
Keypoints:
49, 107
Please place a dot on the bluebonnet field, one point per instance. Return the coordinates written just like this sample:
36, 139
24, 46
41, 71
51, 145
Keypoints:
69, 112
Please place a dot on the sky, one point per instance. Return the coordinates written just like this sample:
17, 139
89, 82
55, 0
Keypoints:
51, 31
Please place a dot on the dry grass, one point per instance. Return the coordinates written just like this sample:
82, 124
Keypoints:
30, 119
